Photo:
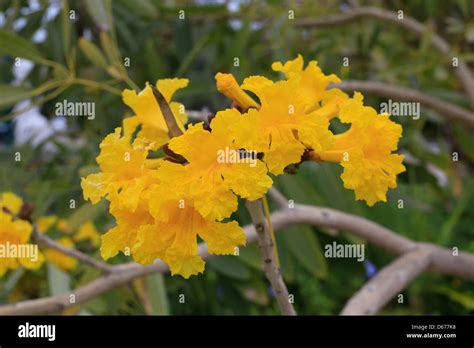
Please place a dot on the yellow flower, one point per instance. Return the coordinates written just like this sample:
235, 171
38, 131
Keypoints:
312, 85
221, 171
11, 202
168, 228
123, 171
87, 232
123, 236
281, 129
161, 207
227, 85
365, 151
173, 236
15, 233
60, 260
44, 223
148, 114
63, 226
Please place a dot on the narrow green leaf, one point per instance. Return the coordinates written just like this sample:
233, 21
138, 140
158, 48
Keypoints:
58, 281
92, 52
10, 95
66, 27
17, 46
98, 12
287, 262
230, 266
304, 246
446, 233
465, 140
143, 8
10, 283
465, 299
110, 50
157, 294
191, 56
250, 255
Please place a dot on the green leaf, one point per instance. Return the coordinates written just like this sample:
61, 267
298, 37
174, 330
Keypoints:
10, 283
110, 49
17, 46
250, 255
467, 300
143, 8
66, 27
93, 53
191, 56
157, 294
230, 266
465, 140
98, 12
287, 262
10, 95
304, 246
446, 233
58, 280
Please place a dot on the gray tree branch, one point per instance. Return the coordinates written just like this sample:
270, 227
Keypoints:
443, 260
267, 252
46, 242
388, 282
447, 110
462, 71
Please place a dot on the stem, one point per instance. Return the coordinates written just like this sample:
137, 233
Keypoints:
266, 210
129, 82
49, 243
267, 249
173, 128
97, 85
39, 102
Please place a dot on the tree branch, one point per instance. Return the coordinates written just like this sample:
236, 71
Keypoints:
267, 251
278, 197
45, 241
388, 282
443, 260
449, 111
462, 71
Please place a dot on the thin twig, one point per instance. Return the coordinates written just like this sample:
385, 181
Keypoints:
462, 70
270, 265
443, 260
49, 243
447, 110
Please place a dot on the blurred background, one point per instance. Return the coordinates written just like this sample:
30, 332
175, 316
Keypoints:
51, 51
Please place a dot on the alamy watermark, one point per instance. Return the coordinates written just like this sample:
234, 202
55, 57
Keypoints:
28, 330
345, 251
21, 251
69, 108
237, 156
407, 109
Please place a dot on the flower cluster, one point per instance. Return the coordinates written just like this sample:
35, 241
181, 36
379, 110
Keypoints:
162, 205
16, 233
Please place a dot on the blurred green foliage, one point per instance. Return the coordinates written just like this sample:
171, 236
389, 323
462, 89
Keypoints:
82, 59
